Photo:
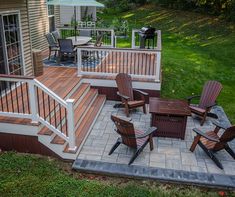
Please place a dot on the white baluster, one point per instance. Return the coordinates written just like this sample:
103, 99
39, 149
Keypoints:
79, 62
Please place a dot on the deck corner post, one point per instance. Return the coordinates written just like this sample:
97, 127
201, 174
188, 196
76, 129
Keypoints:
79, 62
71, 130
158, 66
113, 39
133, 39
32, 101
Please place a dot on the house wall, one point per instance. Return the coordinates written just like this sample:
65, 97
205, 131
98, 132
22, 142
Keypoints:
39, 23
21, 5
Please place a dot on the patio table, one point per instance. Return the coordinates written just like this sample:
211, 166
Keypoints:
80, 40
169, 116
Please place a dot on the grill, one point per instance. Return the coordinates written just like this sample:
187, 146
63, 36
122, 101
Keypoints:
147, 34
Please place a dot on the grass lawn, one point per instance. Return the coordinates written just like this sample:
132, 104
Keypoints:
27, 175
196, 48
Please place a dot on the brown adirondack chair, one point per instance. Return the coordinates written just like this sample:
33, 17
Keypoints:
126, 92
211, 91
131, 137
211, 142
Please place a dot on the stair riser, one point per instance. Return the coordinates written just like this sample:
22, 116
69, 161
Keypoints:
84, 114
83, 95
91, 126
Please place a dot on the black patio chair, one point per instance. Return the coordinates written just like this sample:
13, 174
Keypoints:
66, 49
56, 35
53, 45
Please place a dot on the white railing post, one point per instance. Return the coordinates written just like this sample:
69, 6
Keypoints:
133, 39
33, 102
79, 62
112, 38
71, 132
158, 67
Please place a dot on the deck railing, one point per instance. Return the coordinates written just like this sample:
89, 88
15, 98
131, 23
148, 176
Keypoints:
103, 61
25, 97
108, 34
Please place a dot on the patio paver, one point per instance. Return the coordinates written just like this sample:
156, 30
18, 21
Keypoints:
168, 153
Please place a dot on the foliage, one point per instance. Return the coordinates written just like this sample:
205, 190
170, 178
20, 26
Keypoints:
224, 8
27, 175
120, 26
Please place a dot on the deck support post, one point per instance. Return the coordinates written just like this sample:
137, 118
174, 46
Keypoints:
71, 131
79, 61
113, 39
133, 39
158, 67
33, 101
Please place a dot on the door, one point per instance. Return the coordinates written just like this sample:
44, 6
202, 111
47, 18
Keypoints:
11, 61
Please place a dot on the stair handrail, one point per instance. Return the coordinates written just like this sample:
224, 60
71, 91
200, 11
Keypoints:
34, 115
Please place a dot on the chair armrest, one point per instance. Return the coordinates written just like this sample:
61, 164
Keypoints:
192, 97
204, 135
211, 105
147, 133
141, 92
123, 96
220, 125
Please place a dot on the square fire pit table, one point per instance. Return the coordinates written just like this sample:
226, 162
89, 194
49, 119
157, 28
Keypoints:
169, 116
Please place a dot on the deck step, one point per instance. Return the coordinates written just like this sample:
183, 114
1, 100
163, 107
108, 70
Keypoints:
87, 123
80, 112
84, 105
80, 92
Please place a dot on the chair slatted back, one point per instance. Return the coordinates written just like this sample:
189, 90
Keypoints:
66, 45
51, 40
125, 129
211, 91
124, 84
56, 35
98, 41
228, 135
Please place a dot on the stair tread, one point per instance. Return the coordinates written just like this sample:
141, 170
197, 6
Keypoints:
81, 108
84, 127
80, 91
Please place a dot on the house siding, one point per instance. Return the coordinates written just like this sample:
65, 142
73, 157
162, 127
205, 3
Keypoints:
39, 23
21, 5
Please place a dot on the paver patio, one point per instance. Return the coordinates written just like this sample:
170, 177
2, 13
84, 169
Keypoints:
168, 153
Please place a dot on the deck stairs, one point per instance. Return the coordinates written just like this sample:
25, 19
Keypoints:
87, 106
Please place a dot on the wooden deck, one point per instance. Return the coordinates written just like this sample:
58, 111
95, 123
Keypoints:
58, 79
121, 62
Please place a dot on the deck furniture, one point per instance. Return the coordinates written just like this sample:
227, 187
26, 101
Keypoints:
211, 91
211, 142
126, 92
56, 35
169, 116
79, 40
131, 137
53, 45
66, 48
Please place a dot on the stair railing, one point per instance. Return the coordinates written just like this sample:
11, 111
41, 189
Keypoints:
26, 97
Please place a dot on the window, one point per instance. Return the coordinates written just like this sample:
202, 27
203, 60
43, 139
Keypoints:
51, 18
11, 61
